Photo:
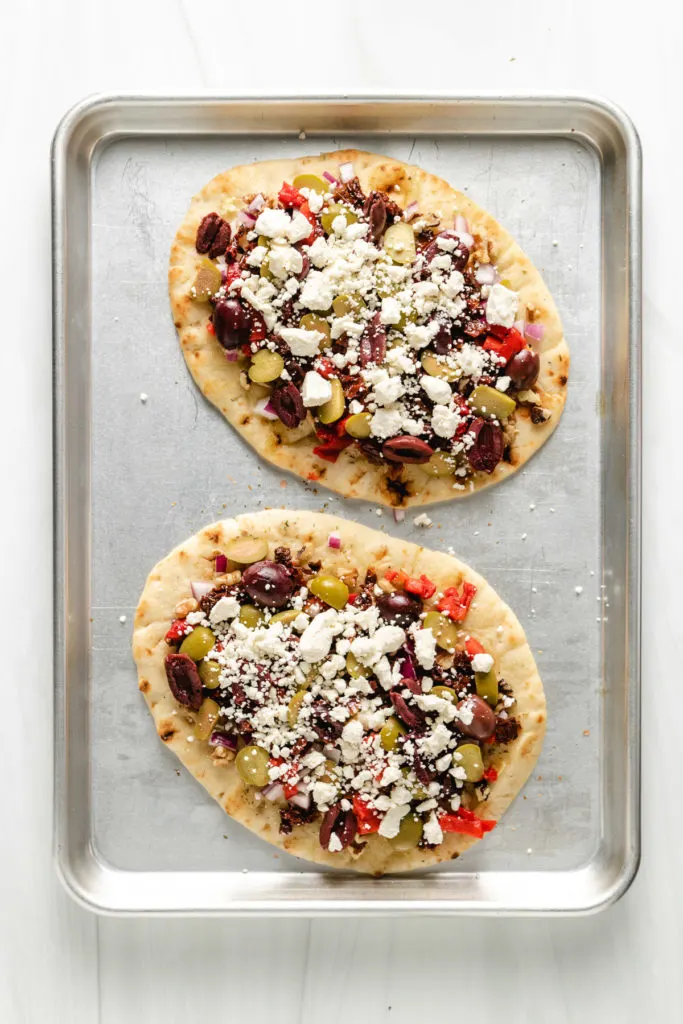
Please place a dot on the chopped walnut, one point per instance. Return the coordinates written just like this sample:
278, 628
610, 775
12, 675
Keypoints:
222, 756
184, 608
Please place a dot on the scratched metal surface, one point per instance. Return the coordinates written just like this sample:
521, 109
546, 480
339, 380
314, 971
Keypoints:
163, 468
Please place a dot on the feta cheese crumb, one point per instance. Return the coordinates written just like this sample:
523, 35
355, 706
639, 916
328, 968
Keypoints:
224, 608
422, 520
433, 833
578, 590
316, 390
300, 341
334, 845
482, 663
390, 312
502, 306
437, 389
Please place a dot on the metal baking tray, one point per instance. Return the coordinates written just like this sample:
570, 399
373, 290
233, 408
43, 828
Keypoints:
134, 832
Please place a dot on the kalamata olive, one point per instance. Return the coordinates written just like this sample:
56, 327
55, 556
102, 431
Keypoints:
412, 717
183, 680
523, 369
267, 583
328, 824
487, 450
483, 721
373, 343
231, 323
459, 255
407, 448
288, 404
442, 342
400, 607
343, 824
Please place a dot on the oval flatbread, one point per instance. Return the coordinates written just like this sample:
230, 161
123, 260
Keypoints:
390, 465
359, 711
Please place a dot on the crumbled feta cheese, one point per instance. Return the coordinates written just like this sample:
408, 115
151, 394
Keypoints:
300, 341
316, 639
391, 822
385, 423
503, 383
422, 520
425, 647
274, 223
388, 391
284, 260
482, 663
433, 833
224, 608
437, 389
501, 306
445, 420
299, 228
334, 845
316, 390
390, 312
255, 257
317, 292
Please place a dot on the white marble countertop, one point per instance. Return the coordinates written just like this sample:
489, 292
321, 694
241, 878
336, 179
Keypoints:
58, 963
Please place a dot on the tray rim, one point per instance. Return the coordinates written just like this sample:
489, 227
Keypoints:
604, 109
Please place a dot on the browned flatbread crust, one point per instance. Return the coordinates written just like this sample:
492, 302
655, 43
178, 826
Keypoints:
352, 475
489, 620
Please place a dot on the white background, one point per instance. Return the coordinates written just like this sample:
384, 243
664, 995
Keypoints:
59, 963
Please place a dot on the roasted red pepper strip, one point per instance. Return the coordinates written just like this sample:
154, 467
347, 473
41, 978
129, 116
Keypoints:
258, 327
423, 587
232, 272
326, 369
179, 629
506, 349
466, 825
210, 328
456, 605
491, 775
290, 196
473, 647
310, 217
367, 817
290, 789
330, 449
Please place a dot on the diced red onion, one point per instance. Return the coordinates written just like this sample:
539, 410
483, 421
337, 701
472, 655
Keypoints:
265, 409
466, 239
461, 224
407, 668
199, 589
274, 791
256, 204
302, 800
221, 563
332, 754
485, 274
346, 172
533, 332
399, 515
219, 739
232, 355
334, 541
246, 218
328, 177
410, 211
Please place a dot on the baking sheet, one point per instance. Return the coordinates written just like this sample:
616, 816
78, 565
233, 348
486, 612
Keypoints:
163, 462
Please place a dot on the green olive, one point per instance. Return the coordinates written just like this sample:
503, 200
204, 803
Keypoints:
347, 304
245, 550
264, 269
390, 733
198, 643
333, 211
409, 833
492, 402
399, 242
264, 241
471, 760
207, 716
354, 667
251, 616
210, 674
445, 692
358, 425
333, 408
445, 631
252, 764
294, 707
311, 181
436, 366
207, 282
487, 686
266, 366
440, 464
330, 590
286, 617
312, 322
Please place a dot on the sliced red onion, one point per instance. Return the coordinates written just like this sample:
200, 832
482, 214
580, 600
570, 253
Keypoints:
461, 224
274, 791
466, 239
246, 218
485, 274
219, 739
410, 211
302, 800
199, 589
334, 541
346, 172
407, 668
331, 753
533, 332
399, 515
328, 177
265, 409
221, 563
256, 204
232, 355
